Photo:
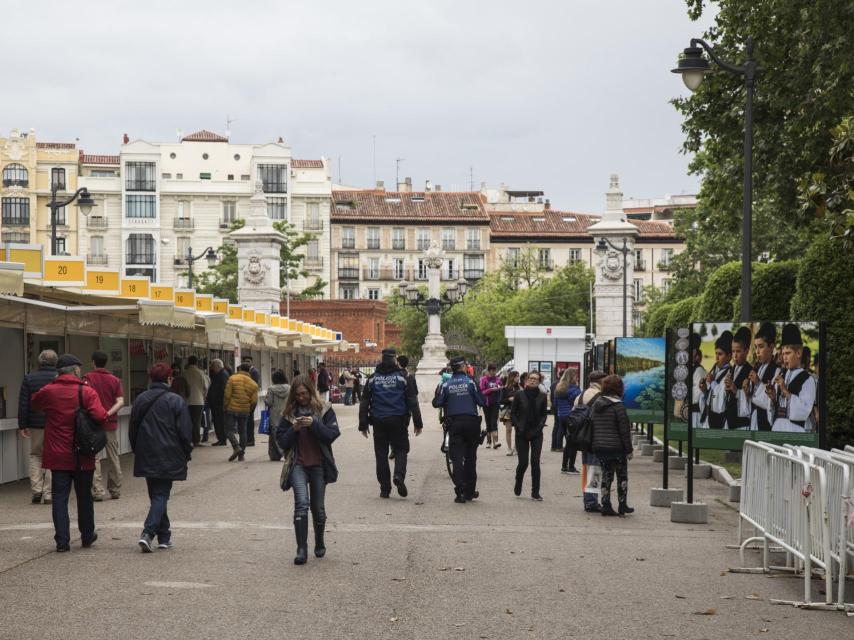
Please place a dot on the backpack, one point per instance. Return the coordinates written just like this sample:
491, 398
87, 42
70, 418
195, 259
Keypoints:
89, 436
578, 425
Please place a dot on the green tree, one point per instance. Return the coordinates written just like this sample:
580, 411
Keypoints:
412, 323
522, 270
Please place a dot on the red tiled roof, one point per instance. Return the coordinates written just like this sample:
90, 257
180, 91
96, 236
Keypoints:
204, 136
55, 145
551, 223
96, 159
419, 206
306, 164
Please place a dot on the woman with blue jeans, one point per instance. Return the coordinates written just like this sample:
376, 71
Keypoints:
306, 433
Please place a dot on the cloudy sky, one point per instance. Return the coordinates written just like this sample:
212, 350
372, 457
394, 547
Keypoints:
543, 94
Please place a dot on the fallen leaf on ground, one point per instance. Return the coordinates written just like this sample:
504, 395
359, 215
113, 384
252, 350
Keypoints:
459, 624
680, 596
508, 612
707, 612
459, 568
763, 630
418, 503
393, 619
562, 590
398, 579
726, 597
640, 559
723, 573
444, 568
753, 596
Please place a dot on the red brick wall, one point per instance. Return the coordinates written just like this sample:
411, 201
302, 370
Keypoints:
358, 320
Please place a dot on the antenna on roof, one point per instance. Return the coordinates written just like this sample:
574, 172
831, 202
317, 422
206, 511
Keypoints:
397, 162
374, 137
228, 121
471, 178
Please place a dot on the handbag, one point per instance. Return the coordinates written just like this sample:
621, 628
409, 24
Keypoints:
288, 464
264, 426
89, 436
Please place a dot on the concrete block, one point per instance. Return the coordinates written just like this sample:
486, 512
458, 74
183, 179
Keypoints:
647, 449
664, 497
732, 456
735, 492
658, 455
701, 471
696, 513
677, 463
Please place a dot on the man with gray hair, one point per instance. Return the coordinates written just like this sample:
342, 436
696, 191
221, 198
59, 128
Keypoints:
216, 400
31, 424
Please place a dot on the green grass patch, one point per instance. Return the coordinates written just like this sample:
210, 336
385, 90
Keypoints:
709, 455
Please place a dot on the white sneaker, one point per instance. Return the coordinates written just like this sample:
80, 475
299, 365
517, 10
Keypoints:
165, 545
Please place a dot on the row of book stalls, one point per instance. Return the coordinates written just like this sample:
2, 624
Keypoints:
136, 329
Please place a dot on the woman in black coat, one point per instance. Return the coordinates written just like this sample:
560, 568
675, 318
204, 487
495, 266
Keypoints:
612, 443
528, 414
305, 435
160, 437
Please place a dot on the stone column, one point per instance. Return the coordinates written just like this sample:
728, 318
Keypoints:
434, 352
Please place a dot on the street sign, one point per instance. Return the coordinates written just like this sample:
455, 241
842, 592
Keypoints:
135, 287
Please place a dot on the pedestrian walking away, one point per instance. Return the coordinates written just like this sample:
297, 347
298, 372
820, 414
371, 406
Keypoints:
388, 400
566, 391
306, 433
31, 425
490, 388
198, 383
324, 381
274, 400
529, 412
349, 382
250, 420
160, 437
216, 400
459, 399
612, 443
109, 390
508, 391
60, 401
241, 394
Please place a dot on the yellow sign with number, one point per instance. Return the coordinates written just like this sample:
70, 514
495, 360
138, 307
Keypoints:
162, 293
235, 312
185, 299
135, 287
249, 315
32, 259
220, 305
204, 302
101, 280
68, 272
260, 318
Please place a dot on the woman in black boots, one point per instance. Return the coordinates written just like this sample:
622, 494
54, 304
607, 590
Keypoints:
612, 443
305, 434
528, 414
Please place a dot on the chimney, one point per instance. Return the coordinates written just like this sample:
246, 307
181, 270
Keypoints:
428, 186
280, 140
125, 139
405, 186
437, 188
547, 205
380, 185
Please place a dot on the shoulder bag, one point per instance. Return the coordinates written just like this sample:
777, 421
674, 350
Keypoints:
89, 436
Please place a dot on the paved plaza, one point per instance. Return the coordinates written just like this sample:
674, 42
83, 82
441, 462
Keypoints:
423, 567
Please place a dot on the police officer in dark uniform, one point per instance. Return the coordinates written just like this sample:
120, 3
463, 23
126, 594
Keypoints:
459, 397
388, 399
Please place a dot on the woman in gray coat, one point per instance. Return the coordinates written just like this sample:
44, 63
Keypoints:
612, 443
275, 400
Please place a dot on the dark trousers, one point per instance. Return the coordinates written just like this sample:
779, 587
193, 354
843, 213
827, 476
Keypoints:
196, 421
207, 423
614, 464
557, 434
390, 432
532, 448
250, 426
61, 482
157, 522
309, 491
236, 429
490, 414
218, 417
569, 455
464, 432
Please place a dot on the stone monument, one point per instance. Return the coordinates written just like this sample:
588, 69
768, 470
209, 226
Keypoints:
433, 352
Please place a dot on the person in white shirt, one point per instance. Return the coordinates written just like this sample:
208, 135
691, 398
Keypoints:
714, 396
734, 384
699, 376
794, 391
754, 402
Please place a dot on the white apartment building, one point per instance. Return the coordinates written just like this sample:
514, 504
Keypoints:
157, 201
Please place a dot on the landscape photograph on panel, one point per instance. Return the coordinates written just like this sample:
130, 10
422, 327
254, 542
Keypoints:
640, 362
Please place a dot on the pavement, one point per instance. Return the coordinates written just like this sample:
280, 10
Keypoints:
420, 567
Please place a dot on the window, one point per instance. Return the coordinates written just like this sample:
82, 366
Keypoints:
449, 238
229, 211
373, 269
277, 208
103, 173
140, 207
140, 176
638, 289
15, 175
665, 285
312, 253
274, 177
666, 257
398, 238
373, 237
16, 210
245, 176
348, 237
544, 257
373, 294
230, 176
450, 272
574, 256
640, 265
204, 176
349, 292
422, 269
399, 269
20, 237
422, 238
179, 176
57, 179
60, 216
512, 257
473, 267
60, 247
473, 239
182, 247
96, 246
166, 176
348, 266
140, 249
637, 318
312, 216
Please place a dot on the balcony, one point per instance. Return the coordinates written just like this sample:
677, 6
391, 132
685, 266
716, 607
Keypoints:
96, 222
450, 275
422, 245
473, 246
449, 245
348, 243
398, 245
640, 265
140, 185
141, 258
373, 244
663, 266
58, 185
313, 262
312, 225
183, 223
180, 262
275, 186
16, 182
95, 258
225, 223
16, 222
547, 265
348, 273
372, 274
472, 274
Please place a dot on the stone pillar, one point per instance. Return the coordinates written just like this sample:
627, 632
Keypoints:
433, 352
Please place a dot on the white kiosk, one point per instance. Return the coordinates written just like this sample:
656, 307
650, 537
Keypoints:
549, 350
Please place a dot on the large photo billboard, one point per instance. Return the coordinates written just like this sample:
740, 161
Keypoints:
640, 362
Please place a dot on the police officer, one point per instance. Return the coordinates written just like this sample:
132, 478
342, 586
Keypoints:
459, 397
388, 399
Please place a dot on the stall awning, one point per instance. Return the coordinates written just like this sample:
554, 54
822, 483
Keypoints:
155, 313
183, 318
11, 278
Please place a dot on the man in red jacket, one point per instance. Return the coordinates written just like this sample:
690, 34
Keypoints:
60, 400
109, 390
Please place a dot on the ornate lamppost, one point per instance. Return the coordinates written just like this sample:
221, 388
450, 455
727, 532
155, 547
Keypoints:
208, 254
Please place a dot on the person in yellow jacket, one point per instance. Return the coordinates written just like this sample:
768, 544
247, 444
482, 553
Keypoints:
241, 394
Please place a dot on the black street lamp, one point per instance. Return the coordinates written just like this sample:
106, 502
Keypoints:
209, 254
413, 297
603, 245
693, 66
84, 203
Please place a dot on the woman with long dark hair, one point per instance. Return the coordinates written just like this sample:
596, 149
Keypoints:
612, 443
305, 435
508, 390
529, 412
565, 393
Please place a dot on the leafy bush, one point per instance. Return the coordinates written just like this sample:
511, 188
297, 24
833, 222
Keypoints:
722, 287
682, 312
656, 320
773, 285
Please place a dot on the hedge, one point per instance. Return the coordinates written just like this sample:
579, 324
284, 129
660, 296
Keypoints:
825, 291
682, 313
657, 320
722, 287
773, 286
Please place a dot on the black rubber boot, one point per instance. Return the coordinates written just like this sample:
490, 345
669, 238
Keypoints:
301, 531
607, 509
624, 508
319, 545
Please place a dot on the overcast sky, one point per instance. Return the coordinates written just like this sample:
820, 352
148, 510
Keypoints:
550, 95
